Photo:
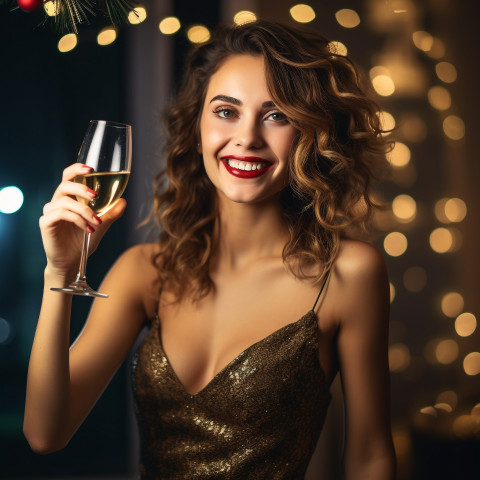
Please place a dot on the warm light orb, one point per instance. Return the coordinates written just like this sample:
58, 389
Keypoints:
452, 304
439, 98
347, 18
399, 156
137, 15
446, 351
415, 279
455, 209
387, 122
169, 25
446, 72
395, 244
437, 50
383, 85
440, 210
465, 324
302, 13
464, 426
338, 48
244, 16
404, 208
453, 127
67, 43
449, 397
444, 406
107, 36
198, 34
471, 363
422, 40
392, 292
398, 357
441, 240
51, 8
11, 199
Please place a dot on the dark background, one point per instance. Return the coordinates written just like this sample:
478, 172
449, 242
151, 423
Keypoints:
46, 101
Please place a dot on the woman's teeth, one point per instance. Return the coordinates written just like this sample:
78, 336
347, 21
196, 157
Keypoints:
246, 165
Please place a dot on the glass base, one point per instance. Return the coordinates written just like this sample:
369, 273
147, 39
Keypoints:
80, 289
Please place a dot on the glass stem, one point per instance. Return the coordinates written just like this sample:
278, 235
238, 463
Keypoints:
83, 259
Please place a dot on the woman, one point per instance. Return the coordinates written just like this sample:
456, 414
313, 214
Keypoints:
254, 296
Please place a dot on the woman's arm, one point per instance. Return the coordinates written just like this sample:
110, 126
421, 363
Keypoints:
363, 357
63, 384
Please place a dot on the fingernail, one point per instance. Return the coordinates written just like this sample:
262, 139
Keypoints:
86, 167
91, 192
98, 219
90, 229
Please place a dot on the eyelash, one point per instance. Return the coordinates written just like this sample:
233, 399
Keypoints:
218, 111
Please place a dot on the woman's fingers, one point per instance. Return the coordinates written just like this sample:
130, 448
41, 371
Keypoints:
75, 190
63, 214
74, 170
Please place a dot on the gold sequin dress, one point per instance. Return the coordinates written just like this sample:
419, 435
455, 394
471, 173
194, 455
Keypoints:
259, 418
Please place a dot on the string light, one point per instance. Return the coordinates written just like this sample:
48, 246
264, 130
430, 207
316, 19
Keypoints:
169, 25
387, 122
453, 127
404, 208
198, 34
446, 351
399, 156
446, 72
395, 244
439, 98
137, 15
338, 48
347, 18
67, 43
465, 324
302, 13
471, 363
398, 357
441, 240
51, 8
422, 40
107, 36
244, 16
452, 304
455, 209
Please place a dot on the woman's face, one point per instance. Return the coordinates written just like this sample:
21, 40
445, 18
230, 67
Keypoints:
245, 139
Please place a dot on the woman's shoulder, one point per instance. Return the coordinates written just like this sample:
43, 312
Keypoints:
357, 260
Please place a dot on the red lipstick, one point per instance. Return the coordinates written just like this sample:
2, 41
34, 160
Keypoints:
237, 172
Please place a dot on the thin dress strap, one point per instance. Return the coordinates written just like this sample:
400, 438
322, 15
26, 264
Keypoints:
321, 290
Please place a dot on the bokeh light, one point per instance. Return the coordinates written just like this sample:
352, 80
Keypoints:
302, 13
465, 324
67, 43
455, 210
441, 240
11, 199
453, 127
437, 49
398, 357
5, 331
338, 48
452, 304
446, 72
387, 122
137, 15
198, 34
392, 292
449, 397
439, 98
347, 18
415, 279
399, 156
51, 8
383, 85
404, 208
446, 351
169, 25
244, 16
107, 36
422, 40
395, 244
471, 363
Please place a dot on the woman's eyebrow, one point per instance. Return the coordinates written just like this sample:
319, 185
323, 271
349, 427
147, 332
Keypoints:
236, 101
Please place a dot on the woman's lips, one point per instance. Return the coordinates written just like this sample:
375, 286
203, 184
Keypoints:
245, 167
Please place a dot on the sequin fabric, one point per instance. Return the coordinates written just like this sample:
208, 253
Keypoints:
259, 418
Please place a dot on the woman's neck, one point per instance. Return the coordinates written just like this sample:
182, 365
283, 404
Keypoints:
247, 232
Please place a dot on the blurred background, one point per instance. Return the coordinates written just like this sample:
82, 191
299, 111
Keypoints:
421, 59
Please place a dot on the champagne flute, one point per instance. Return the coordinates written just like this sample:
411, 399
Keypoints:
107, 148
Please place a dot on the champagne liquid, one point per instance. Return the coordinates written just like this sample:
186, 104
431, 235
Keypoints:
109, 187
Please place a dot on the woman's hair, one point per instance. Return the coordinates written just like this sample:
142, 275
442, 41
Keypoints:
339, 140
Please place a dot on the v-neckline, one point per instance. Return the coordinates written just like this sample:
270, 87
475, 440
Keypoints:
310, 314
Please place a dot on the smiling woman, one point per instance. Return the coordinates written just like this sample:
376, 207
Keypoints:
254, 296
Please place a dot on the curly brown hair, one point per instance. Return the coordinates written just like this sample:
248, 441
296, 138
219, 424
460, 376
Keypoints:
338, 143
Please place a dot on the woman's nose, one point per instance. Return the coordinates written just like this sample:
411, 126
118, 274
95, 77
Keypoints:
248, 134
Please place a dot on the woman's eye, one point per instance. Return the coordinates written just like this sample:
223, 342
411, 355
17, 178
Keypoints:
225, 113
277, 116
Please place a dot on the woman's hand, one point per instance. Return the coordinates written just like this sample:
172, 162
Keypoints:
65, 219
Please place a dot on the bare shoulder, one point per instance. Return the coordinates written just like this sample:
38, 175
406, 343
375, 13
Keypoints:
360, 278
135, 273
